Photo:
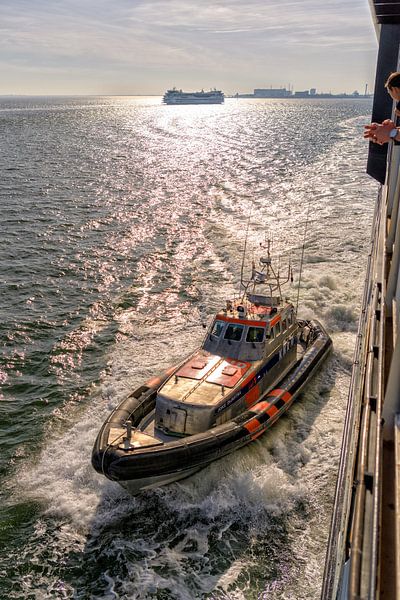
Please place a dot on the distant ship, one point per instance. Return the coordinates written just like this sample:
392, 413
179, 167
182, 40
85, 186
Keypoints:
175, 96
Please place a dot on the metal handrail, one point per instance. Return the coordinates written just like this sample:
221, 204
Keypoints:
363, 536
377, 483
357, 534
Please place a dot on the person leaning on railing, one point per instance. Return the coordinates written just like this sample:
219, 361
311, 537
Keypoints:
382, 133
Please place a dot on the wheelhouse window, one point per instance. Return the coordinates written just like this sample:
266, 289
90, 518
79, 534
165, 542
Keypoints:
255, 334
277, 328
234, 332
217, 328
284, 325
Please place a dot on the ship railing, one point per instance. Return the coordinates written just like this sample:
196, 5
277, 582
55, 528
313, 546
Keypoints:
338, 559
363, 555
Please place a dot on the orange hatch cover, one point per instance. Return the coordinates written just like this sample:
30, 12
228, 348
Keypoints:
229, 372
197, 366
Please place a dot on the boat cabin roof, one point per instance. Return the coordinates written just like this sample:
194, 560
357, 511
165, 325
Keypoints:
263, 310
247, 331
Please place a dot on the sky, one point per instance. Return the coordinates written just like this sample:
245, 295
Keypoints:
146, 46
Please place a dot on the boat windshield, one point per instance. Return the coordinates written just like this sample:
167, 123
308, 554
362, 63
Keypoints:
255, 334
217, 329
234, 332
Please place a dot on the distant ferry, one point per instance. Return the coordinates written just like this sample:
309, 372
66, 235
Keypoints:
175, 96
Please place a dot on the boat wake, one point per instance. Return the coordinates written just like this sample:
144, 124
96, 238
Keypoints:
210, 534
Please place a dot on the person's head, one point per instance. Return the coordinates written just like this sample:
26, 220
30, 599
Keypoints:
393, 85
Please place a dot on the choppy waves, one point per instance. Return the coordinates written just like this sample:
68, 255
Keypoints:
142, 241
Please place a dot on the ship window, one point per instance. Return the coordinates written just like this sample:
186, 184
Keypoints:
255, 334
290, 318
278, 328
284, 325
217, 329
271, 334
234, 332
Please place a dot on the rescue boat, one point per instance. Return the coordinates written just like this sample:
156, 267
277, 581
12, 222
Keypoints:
255, 359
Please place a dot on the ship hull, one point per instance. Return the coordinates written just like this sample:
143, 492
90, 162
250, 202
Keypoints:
183, 101
135, 486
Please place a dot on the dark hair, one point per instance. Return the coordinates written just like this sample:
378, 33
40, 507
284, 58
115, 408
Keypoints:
393, 80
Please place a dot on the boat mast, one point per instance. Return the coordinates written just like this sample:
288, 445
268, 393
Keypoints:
244, 253
266, 275
302, 256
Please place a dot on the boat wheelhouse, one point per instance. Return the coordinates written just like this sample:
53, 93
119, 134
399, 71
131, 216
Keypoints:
249, 344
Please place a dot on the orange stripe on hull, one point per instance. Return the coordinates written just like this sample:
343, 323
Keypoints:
272, 411
261, 407
252, 395
287, 397
170, 370
252, 425
248, 379
154, 382
278, 393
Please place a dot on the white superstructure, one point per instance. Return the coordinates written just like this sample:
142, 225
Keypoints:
175, 96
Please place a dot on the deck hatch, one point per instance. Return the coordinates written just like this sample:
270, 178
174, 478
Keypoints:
197, 366
229, 373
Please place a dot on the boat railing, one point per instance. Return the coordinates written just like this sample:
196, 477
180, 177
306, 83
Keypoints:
261, 300
363, 556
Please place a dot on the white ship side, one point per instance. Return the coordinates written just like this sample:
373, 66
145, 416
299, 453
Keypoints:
175, 96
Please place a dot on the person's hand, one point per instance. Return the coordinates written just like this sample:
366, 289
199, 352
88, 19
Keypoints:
369, 131
379, 133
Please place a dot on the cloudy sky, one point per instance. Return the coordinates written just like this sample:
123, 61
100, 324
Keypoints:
146, 46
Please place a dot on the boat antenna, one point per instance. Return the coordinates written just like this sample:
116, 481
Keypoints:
302, 255
244, 249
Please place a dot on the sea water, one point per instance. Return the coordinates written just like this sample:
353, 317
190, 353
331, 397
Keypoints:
123, 223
